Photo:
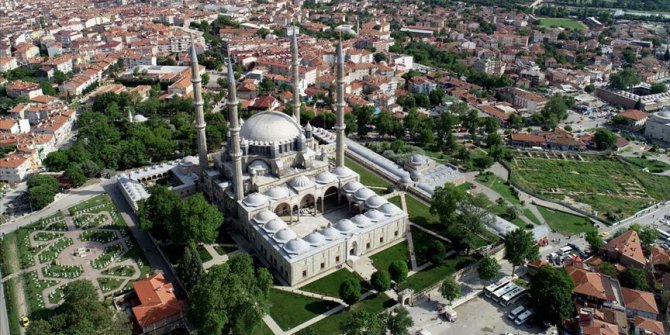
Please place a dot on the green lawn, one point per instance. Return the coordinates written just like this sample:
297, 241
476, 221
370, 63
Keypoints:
565, 223
331, 324
531, 216
330, 284
465, 186
498, 185
368, 178
12, 304
419, 212
432, 275
614, 189
565, 23
261, 329
289, 309
205, 256
383, 259
651, 164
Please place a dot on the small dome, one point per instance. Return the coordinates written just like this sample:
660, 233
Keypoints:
274, 226
352, 186
374, 215
374, 201
345, 225
265, 216
315, 239
296, 246
363, 193
284, 235
325, 177
255, 200
417, 159
390, 209
189, 161
342, 172
361, 220
301, 182
277, 192
258, 165
330, 233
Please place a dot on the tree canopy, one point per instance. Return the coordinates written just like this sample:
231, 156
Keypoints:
624, 79
551, 294
231, 298
488, 268
520, 246
350, 290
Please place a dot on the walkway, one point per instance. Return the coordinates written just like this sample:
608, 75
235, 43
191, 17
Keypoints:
309, 294
216, 258
322, 316
410, 242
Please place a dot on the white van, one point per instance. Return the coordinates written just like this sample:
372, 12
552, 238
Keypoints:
523, 317
515, 312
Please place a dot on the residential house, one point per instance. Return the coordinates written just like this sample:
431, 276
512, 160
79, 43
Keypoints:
159, 311
639, 303
625, 250
636, 118
20, 88
8, 64
644, 326
15, 167
531, 102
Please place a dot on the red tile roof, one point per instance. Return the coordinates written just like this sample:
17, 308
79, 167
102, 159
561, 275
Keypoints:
634, 114
157, 300
652, 326
639, 300
627, 245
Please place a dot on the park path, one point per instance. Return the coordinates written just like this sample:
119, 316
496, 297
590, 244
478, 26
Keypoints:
410, 242
19, 293
323, 315
309, 294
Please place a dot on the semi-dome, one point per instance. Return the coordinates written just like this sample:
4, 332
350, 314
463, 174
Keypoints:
352, 186
258, 166
325, 177
330, 233
342, 172
417, 159
389, 209
284, 235
374, 215
274, 226
374, 201
363, 194
265, 216
315, 239
301, 182
361, 220
345, 225
296, 246
255, 200
270, 127
277, 192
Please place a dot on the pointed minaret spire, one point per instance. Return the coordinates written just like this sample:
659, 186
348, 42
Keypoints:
296, 74
235, 151
339, 126
200, 124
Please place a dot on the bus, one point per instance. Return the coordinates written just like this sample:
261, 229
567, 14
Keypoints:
512, 295
495, 286
502, 291
663, 234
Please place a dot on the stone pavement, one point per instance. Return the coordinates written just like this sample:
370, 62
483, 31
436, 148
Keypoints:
216, 258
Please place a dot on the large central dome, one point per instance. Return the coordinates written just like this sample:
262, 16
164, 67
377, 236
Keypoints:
270, 127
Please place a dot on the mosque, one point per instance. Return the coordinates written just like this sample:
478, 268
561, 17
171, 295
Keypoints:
302, 211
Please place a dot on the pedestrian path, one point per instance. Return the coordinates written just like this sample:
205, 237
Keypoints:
309, 294
428, 231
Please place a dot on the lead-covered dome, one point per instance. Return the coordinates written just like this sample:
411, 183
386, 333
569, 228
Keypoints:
324, 177
255, 200
352, 186
296, 246
330, 233
274, 226
374, 215
284, 235
343, 171
277, 192
270, 127
265, 216
363, 194
390, 209
345, 225
315, 239
301, 182
374, 201
361, 220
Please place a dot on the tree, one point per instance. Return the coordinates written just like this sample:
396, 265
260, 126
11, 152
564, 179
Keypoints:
634, 278
445, 201
437, 252
608, 269
380, 57
436, 96
520, 246
648, 235
49, 181
157, 213
364, 117
398, 271
381, 280
363, 323
198, 221
620, 120
190, 268
551, 294
624, 79
594, 240
57, 161
422, 100
263, 32
80, 313
350, 290
350, 123
398, 321
40, 196
589, 88
604, 138
658, 88
488, 268
205, 79
75, 175
450, 289
231, 298
266, 85
384, 124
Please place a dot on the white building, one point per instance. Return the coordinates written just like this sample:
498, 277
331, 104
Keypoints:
658, 126
15, 168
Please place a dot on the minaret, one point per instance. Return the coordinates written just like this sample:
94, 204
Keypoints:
236, 153
200, 124
296, 75
339, 126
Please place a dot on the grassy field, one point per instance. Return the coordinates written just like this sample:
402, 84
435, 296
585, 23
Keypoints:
12, 304
565, 223
330, 284
331, 324
419, 213
383, 259
565, 23
261, 329
651, 164
612, 188
368, 178
498, 185
289, 309
432, 275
